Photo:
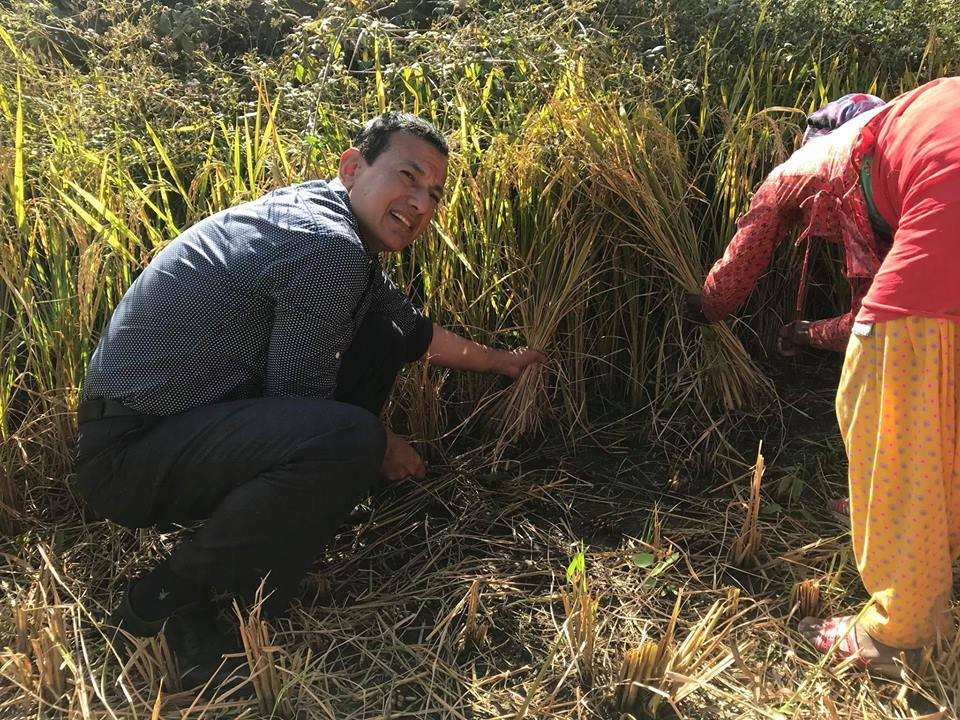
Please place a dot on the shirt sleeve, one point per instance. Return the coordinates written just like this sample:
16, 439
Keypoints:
316, 297
389, 300
773, 210
832, 333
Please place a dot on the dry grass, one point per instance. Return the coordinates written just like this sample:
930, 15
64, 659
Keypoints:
452, 600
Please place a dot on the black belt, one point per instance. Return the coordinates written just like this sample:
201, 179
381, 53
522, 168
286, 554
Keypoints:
99, 408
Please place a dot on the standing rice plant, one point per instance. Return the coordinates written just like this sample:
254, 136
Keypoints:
638, 178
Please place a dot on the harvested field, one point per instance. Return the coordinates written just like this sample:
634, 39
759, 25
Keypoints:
600, 539
519, 591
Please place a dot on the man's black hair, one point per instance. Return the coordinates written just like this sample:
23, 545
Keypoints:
374, 136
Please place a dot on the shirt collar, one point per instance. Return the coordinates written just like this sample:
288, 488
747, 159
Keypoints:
337, 187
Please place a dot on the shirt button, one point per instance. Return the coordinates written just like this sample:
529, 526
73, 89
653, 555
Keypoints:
337, 355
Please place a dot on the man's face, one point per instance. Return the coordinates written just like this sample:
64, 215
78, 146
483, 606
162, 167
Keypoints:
394, 197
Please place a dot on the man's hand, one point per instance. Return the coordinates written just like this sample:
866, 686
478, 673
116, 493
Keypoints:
401, 461
793, 337
512, 363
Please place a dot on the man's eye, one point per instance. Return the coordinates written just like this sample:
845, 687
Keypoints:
407, 175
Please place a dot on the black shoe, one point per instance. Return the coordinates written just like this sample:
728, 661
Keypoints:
197, 639
208, 655
125, 618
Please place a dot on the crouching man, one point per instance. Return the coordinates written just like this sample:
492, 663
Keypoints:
240, 380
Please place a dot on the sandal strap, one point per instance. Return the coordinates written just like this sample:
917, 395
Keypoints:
839, 506
839, 631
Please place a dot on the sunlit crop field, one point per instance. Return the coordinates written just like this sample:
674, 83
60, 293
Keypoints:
596, 539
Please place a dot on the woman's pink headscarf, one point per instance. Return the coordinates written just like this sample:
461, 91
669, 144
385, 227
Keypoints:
836, 113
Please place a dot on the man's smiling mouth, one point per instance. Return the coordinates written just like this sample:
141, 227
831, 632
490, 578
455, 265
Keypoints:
402, 218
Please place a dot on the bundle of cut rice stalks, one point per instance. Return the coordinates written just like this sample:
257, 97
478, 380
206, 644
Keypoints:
638, 178
555, 261
587, 182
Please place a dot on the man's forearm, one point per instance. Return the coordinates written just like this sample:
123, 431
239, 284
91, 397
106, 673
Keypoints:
450, 350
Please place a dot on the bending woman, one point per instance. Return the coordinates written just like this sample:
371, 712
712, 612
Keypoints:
898, 402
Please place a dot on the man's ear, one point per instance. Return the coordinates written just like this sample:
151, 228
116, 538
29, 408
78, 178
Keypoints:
350, 162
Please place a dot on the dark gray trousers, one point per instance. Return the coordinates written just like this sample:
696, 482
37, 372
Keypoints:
272, 478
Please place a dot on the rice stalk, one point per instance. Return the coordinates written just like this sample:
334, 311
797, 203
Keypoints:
655, 529
148, 665
805, 597
522, 410
662, 671
48, 646
641, 667
263, 657
743, 551
419, 401
21, 628
944, 675
644, 668
704, 639
39, 664
475, 629
580, 613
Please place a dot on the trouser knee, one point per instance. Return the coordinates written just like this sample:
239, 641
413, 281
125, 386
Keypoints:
359, 443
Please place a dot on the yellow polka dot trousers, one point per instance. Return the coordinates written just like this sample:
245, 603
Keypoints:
898, 405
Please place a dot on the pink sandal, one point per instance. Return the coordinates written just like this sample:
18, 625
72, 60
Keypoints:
839, 506
839, 634
835, 631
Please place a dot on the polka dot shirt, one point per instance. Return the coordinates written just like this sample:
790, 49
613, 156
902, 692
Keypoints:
259, 299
